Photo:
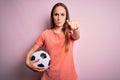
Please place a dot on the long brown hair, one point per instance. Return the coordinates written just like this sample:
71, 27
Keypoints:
65, 26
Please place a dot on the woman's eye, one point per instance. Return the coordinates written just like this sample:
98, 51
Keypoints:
62, 14
55, 14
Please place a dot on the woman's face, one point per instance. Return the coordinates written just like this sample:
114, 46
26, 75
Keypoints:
59, 16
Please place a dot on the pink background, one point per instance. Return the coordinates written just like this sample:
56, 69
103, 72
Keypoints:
96, 54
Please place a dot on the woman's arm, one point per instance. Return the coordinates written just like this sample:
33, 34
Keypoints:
29, 63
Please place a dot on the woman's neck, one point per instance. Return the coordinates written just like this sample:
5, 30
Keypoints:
58, 30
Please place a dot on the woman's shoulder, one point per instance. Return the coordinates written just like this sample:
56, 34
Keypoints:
47, 31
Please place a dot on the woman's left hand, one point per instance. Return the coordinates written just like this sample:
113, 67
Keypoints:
74, 29
73, 25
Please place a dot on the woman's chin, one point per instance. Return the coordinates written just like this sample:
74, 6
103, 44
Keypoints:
59, 25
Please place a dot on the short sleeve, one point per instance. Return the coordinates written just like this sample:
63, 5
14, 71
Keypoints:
40, 40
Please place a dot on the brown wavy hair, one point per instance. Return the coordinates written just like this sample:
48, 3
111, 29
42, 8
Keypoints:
65, 26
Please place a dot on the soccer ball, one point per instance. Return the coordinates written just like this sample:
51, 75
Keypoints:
44, 59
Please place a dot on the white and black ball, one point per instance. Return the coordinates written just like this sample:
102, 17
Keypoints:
44, 59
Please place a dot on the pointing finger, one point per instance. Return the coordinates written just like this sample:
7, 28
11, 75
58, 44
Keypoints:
69, 23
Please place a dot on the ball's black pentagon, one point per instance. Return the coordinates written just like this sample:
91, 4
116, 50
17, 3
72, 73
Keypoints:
32, 58
40, 65
43, 55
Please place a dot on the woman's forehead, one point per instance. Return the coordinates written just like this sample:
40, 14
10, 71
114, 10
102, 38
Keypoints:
59, 9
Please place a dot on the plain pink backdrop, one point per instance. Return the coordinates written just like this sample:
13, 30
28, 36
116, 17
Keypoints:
96, 53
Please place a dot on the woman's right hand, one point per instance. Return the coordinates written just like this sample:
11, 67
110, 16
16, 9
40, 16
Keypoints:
33, 67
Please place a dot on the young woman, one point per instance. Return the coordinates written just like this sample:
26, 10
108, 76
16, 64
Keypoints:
58, 42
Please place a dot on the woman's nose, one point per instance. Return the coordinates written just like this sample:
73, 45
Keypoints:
59, 17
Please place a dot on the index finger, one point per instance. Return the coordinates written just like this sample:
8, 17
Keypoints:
69, 23
34, 61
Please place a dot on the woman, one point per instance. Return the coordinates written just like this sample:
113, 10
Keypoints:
58, 41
